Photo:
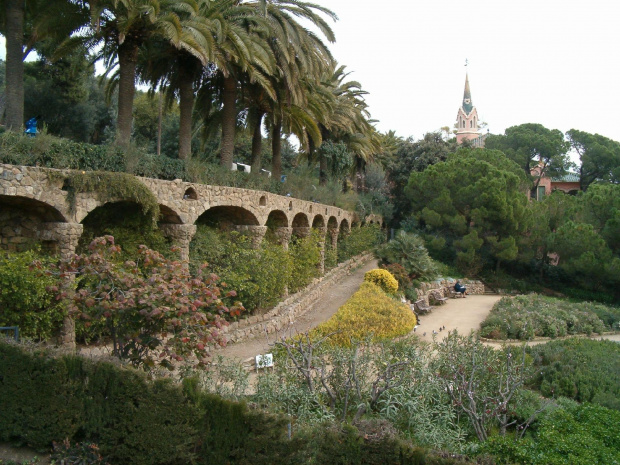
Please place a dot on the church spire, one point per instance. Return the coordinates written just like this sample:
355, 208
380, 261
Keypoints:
467, 105
467, 118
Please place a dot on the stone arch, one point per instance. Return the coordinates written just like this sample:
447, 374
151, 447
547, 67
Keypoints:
344, 226
228, 216
277, 219
22, 221
190, 194
332, 223
318, 222
301, 221
168, 216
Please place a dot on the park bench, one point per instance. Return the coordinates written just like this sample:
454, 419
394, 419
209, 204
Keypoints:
437, 297
422, 307
453, 293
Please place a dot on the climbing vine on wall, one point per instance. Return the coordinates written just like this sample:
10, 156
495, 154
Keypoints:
113, 186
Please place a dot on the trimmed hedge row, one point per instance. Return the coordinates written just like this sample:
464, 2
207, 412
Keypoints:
142, 422
52, 152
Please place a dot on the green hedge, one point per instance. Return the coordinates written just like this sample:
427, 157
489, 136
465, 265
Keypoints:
527, 316
52, 152
24, 298
582, 369
142, 422
359, 240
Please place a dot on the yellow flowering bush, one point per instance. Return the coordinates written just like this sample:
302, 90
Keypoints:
369, 312
382, 278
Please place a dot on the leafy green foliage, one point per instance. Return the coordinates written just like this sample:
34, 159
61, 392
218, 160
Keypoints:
599, 156
25, 299
305, 258
408, 250
414, 156
156, 313
571, 433
142, 422
482, 382
359, 240
525, 317
85, 453
51, 152
529, 144
475, 199
231, 256
581, 369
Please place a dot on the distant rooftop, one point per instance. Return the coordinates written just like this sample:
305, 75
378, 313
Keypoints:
569, 177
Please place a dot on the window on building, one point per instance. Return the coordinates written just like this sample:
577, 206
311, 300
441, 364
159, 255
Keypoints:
541, 192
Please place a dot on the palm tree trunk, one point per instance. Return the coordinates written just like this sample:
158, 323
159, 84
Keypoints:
186, 106
127, 59
229, 121
322, 170
159, 118
14, 64
257, 141
276, 149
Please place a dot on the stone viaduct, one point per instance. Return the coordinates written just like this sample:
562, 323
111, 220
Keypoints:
35, 206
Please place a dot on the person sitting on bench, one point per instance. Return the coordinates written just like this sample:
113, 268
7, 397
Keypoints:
458, 287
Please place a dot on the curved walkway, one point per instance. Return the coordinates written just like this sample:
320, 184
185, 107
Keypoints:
321, 311
464, 314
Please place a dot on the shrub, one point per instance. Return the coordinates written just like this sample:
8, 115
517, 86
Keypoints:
305, 256
401, 275
524, 317
358, 241
85, 453
383, 279
156, 313
157, 422
409, 251
368, 313
575, 434
25, 300
581, 369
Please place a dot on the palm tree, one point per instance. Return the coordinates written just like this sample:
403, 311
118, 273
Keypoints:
299, 53
124, 26
14, 63
163, 65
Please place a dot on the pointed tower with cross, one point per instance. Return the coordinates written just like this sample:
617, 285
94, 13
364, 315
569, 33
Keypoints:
467, 118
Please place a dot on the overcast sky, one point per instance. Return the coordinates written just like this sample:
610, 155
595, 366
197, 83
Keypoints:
551, 62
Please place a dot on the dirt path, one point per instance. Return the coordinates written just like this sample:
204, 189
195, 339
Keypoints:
333, 299
464, 314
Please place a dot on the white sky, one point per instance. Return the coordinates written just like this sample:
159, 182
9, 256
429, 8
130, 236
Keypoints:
551, 62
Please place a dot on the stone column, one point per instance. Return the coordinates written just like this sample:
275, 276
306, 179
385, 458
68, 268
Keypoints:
66, 236
180, 235
283, 235
333, 235
256, 233
322, 230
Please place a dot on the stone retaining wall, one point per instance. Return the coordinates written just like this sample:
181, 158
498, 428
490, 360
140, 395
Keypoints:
444, 285
287, 311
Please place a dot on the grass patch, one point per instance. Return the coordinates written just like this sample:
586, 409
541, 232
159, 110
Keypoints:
525, 317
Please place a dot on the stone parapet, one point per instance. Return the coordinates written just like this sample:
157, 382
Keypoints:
443, 286
287, 311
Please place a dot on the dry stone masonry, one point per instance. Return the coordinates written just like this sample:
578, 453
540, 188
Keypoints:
36, 207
